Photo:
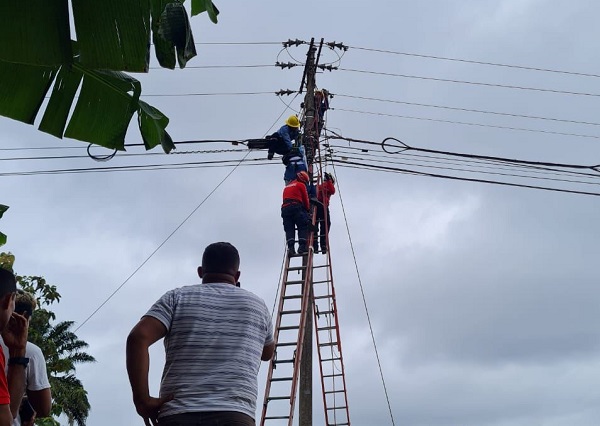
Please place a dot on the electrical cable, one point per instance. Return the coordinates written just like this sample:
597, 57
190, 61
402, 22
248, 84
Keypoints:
475, 83
467, 123
218, 66
490, 164
416, 173
155, 95
402, 147
164, 242
468, 61
362, 291
472, 171
141, 167
506, 114
160, 245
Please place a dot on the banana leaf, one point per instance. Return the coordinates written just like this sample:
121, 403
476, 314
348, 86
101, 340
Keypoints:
36, 53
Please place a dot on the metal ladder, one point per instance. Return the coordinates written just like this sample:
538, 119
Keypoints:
284, 368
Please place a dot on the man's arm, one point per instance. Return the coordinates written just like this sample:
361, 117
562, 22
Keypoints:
268, 351
41, 401
15, 338
146, 332
6, 417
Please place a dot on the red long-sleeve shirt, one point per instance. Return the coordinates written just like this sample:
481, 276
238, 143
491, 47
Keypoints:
296, 191
325, 191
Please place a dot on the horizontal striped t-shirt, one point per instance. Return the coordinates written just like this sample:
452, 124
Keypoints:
215, 337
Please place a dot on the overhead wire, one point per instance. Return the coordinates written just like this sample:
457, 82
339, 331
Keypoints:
467, 123
164, 241
362, 291
506, 114
485, 164
467, 170
475, 83
159, 246
470, 61
402, 147
434, 175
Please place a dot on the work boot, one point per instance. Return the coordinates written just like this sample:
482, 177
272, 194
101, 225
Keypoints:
270, 156
291, 251
302, 250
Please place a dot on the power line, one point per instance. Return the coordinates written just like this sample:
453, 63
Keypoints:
417, 173
141, 167
446, 80
467, 123
469, 61
206, 94
402, 147
362, 291
160, 245
484, 164
219, 66
507, 114
466, 170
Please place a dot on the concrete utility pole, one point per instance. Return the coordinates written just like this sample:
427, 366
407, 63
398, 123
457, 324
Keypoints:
308, 140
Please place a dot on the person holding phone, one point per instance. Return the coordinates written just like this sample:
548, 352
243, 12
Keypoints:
13, 328
37, 386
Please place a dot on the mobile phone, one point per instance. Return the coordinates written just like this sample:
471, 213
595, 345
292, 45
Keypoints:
26, 411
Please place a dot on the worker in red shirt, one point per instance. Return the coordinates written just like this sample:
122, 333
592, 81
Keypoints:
294, 212
324, 192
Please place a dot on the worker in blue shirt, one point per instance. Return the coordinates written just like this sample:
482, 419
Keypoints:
281, 141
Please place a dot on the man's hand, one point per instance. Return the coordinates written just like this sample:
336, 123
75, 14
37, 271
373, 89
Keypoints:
149, 407
15, 335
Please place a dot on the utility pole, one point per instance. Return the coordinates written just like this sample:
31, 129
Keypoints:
305, 411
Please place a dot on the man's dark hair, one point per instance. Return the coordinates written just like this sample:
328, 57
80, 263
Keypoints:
8, 282
220, 258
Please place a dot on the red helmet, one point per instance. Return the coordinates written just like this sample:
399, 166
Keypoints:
303, 177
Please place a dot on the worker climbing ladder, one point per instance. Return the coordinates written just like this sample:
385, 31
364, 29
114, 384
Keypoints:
306, 279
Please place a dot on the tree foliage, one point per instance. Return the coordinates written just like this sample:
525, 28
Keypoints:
38, 51
61, 347
3, 208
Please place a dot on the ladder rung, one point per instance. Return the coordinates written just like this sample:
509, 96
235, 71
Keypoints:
283, 361
326, 328
296, 268
328, 296
294, 282
283, 417
286, 344
297, 296
321, 282
337, 408
325, 312
277, 398
338, 424
333, 375
330, 359
289, 327
336, 391
327, 344
281, 379
295, 311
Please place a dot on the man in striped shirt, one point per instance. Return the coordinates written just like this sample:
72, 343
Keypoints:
215, 336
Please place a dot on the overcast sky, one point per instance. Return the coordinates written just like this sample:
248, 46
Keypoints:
483, 299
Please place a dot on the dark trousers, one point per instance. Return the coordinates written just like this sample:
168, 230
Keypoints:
322, 231
208, 418
295, 216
